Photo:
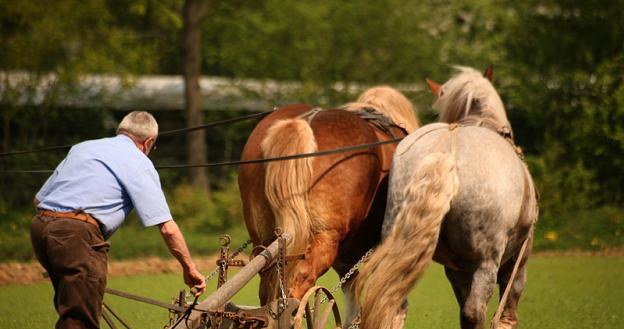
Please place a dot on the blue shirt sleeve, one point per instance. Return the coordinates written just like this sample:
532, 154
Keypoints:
148, 198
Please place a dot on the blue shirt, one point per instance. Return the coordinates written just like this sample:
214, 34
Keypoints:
106, 178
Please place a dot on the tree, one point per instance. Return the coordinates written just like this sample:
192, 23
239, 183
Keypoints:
54, 45
567, 89
194, 11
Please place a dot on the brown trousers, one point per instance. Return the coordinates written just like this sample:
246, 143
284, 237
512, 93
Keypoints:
75, 255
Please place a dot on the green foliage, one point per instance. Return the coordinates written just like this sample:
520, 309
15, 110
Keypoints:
565, 89
562, 187
15, 236
598, 229
198, 211
201, 218
68, 37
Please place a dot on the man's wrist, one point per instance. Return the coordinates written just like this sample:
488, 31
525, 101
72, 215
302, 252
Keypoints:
189, 266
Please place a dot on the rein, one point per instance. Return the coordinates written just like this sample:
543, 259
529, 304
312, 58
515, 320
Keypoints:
368, 114
503, 300
164, 133
244, 162
287, 157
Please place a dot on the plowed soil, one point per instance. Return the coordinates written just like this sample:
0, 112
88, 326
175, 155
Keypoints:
11, 273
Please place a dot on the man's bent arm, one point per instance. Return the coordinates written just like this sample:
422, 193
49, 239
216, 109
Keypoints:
177, 247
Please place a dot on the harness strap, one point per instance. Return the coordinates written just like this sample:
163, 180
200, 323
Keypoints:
371, 115
380, 120
309, 115
491, 124
453, 138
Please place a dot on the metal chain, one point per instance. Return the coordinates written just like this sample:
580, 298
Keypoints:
242, 321
222, 263
238, 251
281, 264
347, 276
355, 324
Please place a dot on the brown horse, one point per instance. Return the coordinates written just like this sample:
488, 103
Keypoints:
459, 194
332, 205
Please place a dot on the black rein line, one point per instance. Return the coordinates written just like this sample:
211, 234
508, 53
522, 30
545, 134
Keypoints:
283, 158
164, 133
243, 162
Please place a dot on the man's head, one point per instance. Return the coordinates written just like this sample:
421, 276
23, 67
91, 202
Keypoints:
141, 127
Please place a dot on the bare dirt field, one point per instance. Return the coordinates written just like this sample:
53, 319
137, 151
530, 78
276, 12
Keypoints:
13, 272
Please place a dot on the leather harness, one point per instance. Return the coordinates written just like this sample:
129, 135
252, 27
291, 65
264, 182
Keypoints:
370, 114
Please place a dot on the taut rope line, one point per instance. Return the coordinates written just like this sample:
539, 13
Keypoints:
164, 133
243, 162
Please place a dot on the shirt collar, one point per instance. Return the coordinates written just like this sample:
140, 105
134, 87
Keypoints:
122, 136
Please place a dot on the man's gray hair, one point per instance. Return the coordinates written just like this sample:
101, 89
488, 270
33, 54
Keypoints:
138, 124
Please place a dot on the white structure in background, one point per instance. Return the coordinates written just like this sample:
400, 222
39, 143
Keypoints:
157, 92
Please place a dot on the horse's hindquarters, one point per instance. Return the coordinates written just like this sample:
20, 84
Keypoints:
488, 218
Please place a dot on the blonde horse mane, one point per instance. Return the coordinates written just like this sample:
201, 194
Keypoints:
469, 93
389, 101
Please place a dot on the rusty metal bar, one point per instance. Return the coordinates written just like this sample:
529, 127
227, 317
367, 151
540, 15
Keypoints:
110, 310
223, 295
145, 300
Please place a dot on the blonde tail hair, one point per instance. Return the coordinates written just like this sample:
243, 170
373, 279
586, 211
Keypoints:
287, 182
393, 269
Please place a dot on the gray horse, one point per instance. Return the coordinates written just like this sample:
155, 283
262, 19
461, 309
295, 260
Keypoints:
459, 194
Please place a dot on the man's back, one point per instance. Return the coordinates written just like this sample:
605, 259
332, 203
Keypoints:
105, 178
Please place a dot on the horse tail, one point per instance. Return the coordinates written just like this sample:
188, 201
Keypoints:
287, 182
395, 266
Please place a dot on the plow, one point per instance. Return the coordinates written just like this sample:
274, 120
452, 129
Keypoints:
317, 309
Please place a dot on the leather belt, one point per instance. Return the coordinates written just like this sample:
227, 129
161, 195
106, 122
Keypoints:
83, 217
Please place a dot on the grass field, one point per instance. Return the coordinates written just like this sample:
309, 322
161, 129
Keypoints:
562, 292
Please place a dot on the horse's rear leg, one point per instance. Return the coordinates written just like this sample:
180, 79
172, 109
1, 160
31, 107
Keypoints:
473, 291
509, 317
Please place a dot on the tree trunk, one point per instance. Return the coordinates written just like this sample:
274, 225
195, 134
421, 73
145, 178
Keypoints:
191, 52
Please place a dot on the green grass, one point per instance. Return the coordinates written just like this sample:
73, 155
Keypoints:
562, 292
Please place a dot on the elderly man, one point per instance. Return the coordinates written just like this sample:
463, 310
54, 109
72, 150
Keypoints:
83, 203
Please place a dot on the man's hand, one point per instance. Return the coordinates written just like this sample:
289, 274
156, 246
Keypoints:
194, 279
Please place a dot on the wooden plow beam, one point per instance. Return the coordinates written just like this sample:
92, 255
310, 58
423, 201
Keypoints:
216, 301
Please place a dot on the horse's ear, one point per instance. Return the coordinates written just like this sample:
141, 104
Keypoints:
489, 72
434, 87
